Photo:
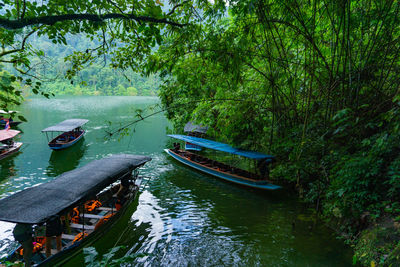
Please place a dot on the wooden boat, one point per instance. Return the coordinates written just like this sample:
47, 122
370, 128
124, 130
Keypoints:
71, 132
90, 192
219, 169
12, 123
7, 144
3, 121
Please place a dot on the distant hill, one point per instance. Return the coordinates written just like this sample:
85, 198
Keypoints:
95, 79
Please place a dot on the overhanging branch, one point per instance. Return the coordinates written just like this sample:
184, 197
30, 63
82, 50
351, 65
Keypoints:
51, 20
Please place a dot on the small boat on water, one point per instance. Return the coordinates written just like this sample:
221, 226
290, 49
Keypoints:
221, 170
87, 202
7, 144
71, 132
3, 121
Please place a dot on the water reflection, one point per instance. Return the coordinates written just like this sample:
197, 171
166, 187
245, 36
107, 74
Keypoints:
183, 218
66, 159
7, 167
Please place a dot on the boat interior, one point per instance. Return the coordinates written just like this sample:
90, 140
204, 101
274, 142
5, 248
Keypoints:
6, 144
67, 137
83, 220
222, 167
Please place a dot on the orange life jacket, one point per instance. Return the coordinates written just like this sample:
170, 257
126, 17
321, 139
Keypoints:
103, 220
92, 205
75, 215
79, 237
37, 245
118, 205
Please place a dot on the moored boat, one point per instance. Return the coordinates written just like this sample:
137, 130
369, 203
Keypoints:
7, 144
88, 201
221, 170
3, 121
71, 132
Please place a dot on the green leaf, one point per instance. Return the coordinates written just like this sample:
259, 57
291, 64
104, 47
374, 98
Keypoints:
22, 118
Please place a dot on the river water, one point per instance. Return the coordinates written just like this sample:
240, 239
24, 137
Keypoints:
182, 217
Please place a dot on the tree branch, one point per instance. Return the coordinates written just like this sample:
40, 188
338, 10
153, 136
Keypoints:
51, 20
175, 7
4, 53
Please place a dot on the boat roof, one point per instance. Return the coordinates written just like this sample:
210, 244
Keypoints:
190, 127
220, 146
37, 204
66, 126
8, 134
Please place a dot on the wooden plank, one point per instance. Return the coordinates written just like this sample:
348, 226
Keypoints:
80, 226
105, 208
92, 216
69, 237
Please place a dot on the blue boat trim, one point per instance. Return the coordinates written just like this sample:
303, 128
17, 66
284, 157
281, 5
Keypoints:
220, 146
225, 176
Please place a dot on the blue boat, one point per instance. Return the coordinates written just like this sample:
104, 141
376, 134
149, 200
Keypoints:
71, 132
221, 170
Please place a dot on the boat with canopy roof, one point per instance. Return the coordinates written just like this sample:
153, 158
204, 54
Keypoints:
71, 132
222, 170
88, 201
7, 144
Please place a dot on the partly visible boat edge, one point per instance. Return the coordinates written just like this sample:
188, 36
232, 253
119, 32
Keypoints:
218, 174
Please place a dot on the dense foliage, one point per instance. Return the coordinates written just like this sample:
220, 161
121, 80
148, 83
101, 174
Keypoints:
315, 83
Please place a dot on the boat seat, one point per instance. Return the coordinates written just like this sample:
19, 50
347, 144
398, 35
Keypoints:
90, 216
105, 208
80, 226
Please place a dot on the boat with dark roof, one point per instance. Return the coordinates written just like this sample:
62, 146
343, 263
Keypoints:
89, 201
222, 170
71, 132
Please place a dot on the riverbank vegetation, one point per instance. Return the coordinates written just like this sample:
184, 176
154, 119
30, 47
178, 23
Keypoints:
313, 82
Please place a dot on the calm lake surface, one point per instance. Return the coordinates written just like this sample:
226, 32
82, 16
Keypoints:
182, 217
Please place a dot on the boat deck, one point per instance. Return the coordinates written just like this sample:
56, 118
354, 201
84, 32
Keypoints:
217, 165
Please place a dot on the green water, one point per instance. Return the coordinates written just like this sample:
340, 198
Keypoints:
182, 217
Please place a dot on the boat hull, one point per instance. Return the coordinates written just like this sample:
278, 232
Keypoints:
58, 146
11, 151
13, 123
264, 185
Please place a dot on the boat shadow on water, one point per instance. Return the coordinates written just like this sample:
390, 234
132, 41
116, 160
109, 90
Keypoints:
61, 161
7, 166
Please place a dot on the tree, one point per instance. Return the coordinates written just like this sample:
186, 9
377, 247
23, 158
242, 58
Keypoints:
315, 83
132, 91
126, 30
